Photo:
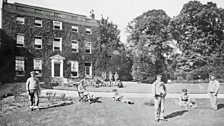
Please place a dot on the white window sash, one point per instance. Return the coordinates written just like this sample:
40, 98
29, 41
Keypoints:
74, 66
57, 23
37, 64
38, 41
89, 30
20, 20
20, 39
75, 44
57, 43
75, 27
20, 64
38, 22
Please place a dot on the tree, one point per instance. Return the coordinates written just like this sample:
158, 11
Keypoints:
110, 51
199, 32
149, 40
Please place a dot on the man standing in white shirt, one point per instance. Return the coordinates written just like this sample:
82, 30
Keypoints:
213, 88
33, 90
159, 93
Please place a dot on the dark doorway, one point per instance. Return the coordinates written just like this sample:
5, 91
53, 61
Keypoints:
57, 69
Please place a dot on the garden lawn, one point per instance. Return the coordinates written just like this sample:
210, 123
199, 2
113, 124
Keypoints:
112, 113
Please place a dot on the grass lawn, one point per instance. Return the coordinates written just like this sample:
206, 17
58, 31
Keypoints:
111, 113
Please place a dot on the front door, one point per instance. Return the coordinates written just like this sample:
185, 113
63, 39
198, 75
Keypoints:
57, 69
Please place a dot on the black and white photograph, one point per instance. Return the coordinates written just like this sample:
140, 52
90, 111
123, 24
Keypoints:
112, 63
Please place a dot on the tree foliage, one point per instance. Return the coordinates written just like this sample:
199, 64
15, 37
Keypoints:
199, 32
148, 41
111, 51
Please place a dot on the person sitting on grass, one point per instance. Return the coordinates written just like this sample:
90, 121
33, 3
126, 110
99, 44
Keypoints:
184, 100
118, 97
84, 94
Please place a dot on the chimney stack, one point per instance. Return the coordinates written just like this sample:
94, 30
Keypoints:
5, 1
92, 15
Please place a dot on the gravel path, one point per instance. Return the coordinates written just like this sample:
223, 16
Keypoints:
134, 95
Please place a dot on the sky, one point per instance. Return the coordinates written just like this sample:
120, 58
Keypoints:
120, 12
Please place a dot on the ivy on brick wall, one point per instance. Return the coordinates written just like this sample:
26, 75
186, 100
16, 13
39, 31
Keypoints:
48, 33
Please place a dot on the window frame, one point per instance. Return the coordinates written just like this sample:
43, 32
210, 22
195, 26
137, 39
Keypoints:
88, 31
76, 68
90, 70
41, 67
60, 44
20, 58
19, 21
75, 27
60, 25
41, 24
77, 44
36, 44
90, 48
17, 44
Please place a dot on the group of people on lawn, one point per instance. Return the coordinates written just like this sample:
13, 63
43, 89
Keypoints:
158, 90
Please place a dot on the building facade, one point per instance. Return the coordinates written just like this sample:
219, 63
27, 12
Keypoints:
54, 43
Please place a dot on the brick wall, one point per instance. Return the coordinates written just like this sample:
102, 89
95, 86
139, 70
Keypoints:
11, 28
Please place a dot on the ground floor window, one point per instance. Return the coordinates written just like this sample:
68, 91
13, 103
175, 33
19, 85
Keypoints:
88, 70
74, 68
37, 66
20, 66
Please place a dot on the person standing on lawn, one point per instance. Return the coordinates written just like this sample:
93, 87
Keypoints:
116, 76
110, 78
33, 90
159, 93
213, 88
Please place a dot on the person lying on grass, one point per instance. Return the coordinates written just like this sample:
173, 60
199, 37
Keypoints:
185, 101
118, 97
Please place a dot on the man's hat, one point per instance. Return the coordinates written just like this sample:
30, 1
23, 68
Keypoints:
184, 90
32, 72
159, 75
212, 74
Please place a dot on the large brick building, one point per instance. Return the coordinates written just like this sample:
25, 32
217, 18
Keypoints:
54, 43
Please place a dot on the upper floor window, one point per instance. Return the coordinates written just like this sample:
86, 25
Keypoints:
38, 22
75, 46
20, 20
57, 44
57, 25
75, 28
38, 42
37, 66
88, 47
74, 68
88, 31
20, 40
20, 66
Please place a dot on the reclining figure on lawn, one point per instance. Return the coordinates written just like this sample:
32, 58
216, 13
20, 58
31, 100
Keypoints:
118, 97
84, 94
98, 81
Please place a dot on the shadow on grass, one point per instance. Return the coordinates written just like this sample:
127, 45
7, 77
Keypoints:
220, 106
57, 105
175, 114
95, 100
